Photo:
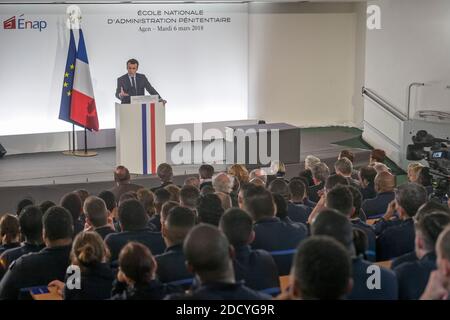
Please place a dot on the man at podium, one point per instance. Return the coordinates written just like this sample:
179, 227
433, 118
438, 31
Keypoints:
134, 84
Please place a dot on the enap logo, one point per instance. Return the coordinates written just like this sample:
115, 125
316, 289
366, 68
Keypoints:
22, 23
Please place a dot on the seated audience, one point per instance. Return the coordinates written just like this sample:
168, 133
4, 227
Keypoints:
208, 256
310, 162
344, 167
205, 174
350, 156
171, 263
165, 175
225, 199
332, 223
298, 195
30, 221
137, 276
97, 216
23, 203
90, 254
133, 222
380, 167
438, 284
45, 205
9, 232
40, 268
367, 181
340, 198
384, 186
320, 173
122, 179
147, 199
281, 209
189, 197
279, 186
161, 197
358, 213
396, 239
192, 181
256, 267
413, 276
210, 209
427, 208
174, 192
223, 182
259, 174
271, 234
322, 270
72, 202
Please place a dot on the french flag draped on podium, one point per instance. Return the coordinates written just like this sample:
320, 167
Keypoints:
78, 102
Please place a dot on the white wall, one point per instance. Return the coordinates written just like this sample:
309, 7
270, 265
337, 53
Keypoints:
306, 63
412, 45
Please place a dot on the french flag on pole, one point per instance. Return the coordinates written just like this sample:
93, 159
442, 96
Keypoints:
83, 111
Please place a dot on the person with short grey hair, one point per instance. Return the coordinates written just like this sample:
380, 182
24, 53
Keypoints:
320, 173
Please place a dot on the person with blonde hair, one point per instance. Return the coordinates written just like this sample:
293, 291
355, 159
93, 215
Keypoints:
380, 167
311, 161
413, 171
90, 256
278, 168
240, 172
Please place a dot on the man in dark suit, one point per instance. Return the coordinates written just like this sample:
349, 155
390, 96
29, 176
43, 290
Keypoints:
320, 173
384, 185
133, 84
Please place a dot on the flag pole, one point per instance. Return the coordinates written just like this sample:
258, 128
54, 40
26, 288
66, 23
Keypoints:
73, 138
85, 141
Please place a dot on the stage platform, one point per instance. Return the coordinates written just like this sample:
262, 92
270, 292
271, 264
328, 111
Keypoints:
48, 176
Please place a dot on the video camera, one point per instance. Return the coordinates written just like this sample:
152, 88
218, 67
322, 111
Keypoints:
436, 152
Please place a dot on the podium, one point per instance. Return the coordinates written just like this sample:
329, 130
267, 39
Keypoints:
141, 134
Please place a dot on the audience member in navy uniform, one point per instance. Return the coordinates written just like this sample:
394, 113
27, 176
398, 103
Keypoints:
256, 267
209, 256
90, 255
272, 234
320, 173
350, 156
171, 263
72, 202
210, 209
123, 183
332, 223
398, 239
133, 221
427, 208
40, 268
341, 199
147, 199
321, 271
357, 202
28, 201
281, 209
165, 175
367, 181
344, 167
205, 174
136, 279
9, 232
384, 185
161, 197
30, 221
97, 216
413, 276
438, 284
297, 210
